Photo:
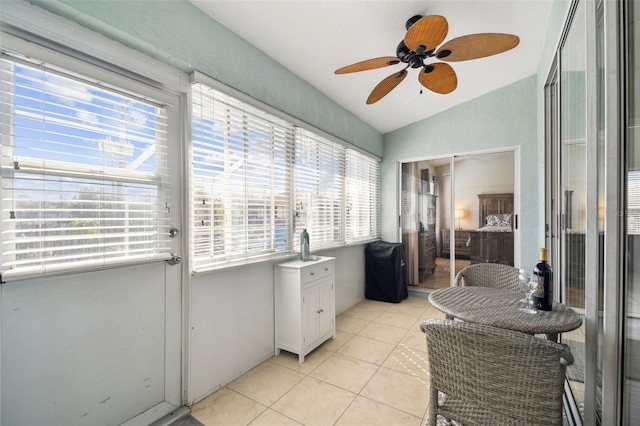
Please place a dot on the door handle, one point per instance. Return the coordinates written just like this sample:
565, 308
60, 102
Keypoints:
175, 259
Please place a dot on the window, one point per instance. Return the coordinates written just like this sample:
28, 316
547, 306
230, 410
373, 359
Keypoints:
239, 181
362, 197
257, 180
83, 172
319, 170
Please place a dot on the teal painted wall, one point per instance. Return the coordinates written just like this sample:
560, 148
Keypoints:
501, 119
181, 35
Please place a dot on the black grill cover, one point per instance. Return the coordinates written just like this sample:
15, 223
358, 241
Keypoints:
385, 272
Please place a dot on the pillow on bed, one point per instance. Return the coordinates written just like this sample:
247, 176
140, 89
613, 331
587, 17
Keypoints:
499, 219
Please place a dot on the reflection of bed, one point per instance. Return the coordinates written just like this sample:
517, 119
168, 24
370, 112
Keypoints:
493, 240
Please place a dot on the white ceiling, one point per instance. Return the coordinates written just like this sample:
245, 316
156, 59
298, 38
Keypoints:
313, 38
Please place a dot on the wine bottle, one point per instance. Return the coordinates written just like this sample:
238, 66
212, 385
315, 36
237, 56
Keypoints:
543, 296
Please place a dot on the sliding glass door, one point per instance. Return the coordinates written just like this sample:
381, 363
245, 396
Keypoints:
592, 186
457, 210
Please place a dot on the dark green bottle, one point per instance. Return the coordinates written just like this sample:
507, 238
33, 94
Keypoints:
543, 296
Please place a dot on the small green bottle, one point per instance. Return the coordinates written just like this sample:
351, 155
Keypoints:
304, 245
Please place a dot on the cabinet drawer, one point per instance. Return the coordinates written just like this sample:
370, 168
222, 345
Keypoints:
316, 271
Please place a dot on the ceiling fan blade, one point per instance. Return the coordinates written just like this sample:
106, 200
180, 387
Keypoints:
428, 31
474, 46
438, 77
369, 64
385, 86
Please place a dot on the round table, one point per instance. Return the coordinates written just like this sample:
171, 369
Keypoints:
500, 308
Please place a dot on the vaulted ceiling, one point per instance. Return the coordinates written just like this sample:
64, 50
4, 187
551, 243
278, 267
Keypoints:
313, 38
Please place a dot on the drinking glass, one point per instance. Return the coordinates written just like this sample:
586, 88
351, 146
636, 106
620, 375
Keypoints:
532, 286
523, 278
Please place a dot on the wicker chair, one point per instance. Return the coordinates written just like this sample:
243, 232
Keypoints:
492, 376
489, 275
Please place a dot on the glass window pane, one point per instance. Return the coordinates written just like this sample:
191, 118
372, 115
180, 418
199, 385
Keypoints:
84, 173
570, 273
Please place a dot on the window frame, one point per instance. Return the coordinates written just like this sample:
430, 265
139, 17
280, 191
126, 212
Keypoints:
91, 74
296, 220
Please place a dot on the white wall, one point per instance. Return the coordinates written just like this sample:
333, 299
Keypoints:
232, 319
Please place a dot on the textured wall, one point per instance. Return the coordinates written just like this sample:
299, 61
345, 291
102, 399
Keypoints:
503, 118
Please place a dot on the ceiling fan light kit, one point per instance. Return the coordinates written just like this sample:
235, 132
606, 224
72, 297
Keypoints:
424, 34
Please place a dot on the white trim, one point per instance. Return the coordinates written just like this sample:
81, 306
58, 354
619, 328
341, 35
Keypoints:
80, 267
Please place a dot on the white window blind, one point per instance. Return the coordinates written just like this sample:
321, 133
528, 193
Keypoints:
257, 180
240, 186
83, 172
633, 202
362, 193
319, 190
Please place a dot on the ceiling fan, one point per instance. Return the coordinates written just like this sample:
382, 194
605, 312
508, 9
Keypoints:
424, 34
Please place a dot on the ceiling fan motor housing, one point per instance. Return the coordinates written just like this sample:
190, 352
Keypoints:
412, 21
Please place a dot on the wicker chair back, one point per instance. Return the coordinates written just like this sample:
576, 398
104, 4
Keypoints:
491, 376
489, 275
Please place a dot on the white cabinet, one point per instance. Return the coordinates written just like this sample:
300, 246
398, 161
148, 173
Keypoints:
304, 305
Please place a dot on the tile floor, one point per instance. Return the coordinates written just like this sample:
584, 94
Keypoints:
441, 277
373, 373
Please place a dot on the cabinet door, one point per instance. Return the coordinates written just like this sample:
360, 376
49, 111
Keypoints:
309, 315
325, 306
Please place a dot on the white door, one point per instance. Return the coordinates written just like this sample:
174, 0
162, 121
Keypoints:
309, 315
101, 345
325, 306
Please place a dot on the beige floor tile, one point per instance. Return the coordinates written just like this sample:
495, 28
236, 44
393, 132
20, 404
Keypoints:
314, 402
345, 372
423, 302
409, 361
365, 412
226, 407
401, 391
407, 309
311, 361
432, 312
373, 373
383, 332
362, 312
349, 324
335, 344
266, 383
397, 319
373, 305
415, 339
271, 418
373, 351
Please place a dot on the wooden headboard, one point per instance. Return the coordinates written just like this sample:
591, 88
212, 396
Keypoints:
493, 204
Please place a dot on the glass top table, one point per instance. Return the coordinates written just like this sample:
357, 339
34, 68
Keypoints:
500, 308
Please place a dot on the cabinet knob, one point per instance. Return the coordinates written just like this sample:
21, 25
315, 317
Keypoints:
312, 273
326, 269
320, 311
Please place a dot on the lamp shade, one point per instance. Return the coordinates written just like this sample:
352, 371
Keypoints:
459, 213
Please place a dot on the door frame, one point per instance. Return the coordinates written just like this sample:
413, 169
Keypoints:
517, 250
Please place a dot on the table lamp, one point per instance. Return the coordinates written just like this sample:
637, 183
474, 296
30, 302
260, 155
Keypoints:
459, 214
